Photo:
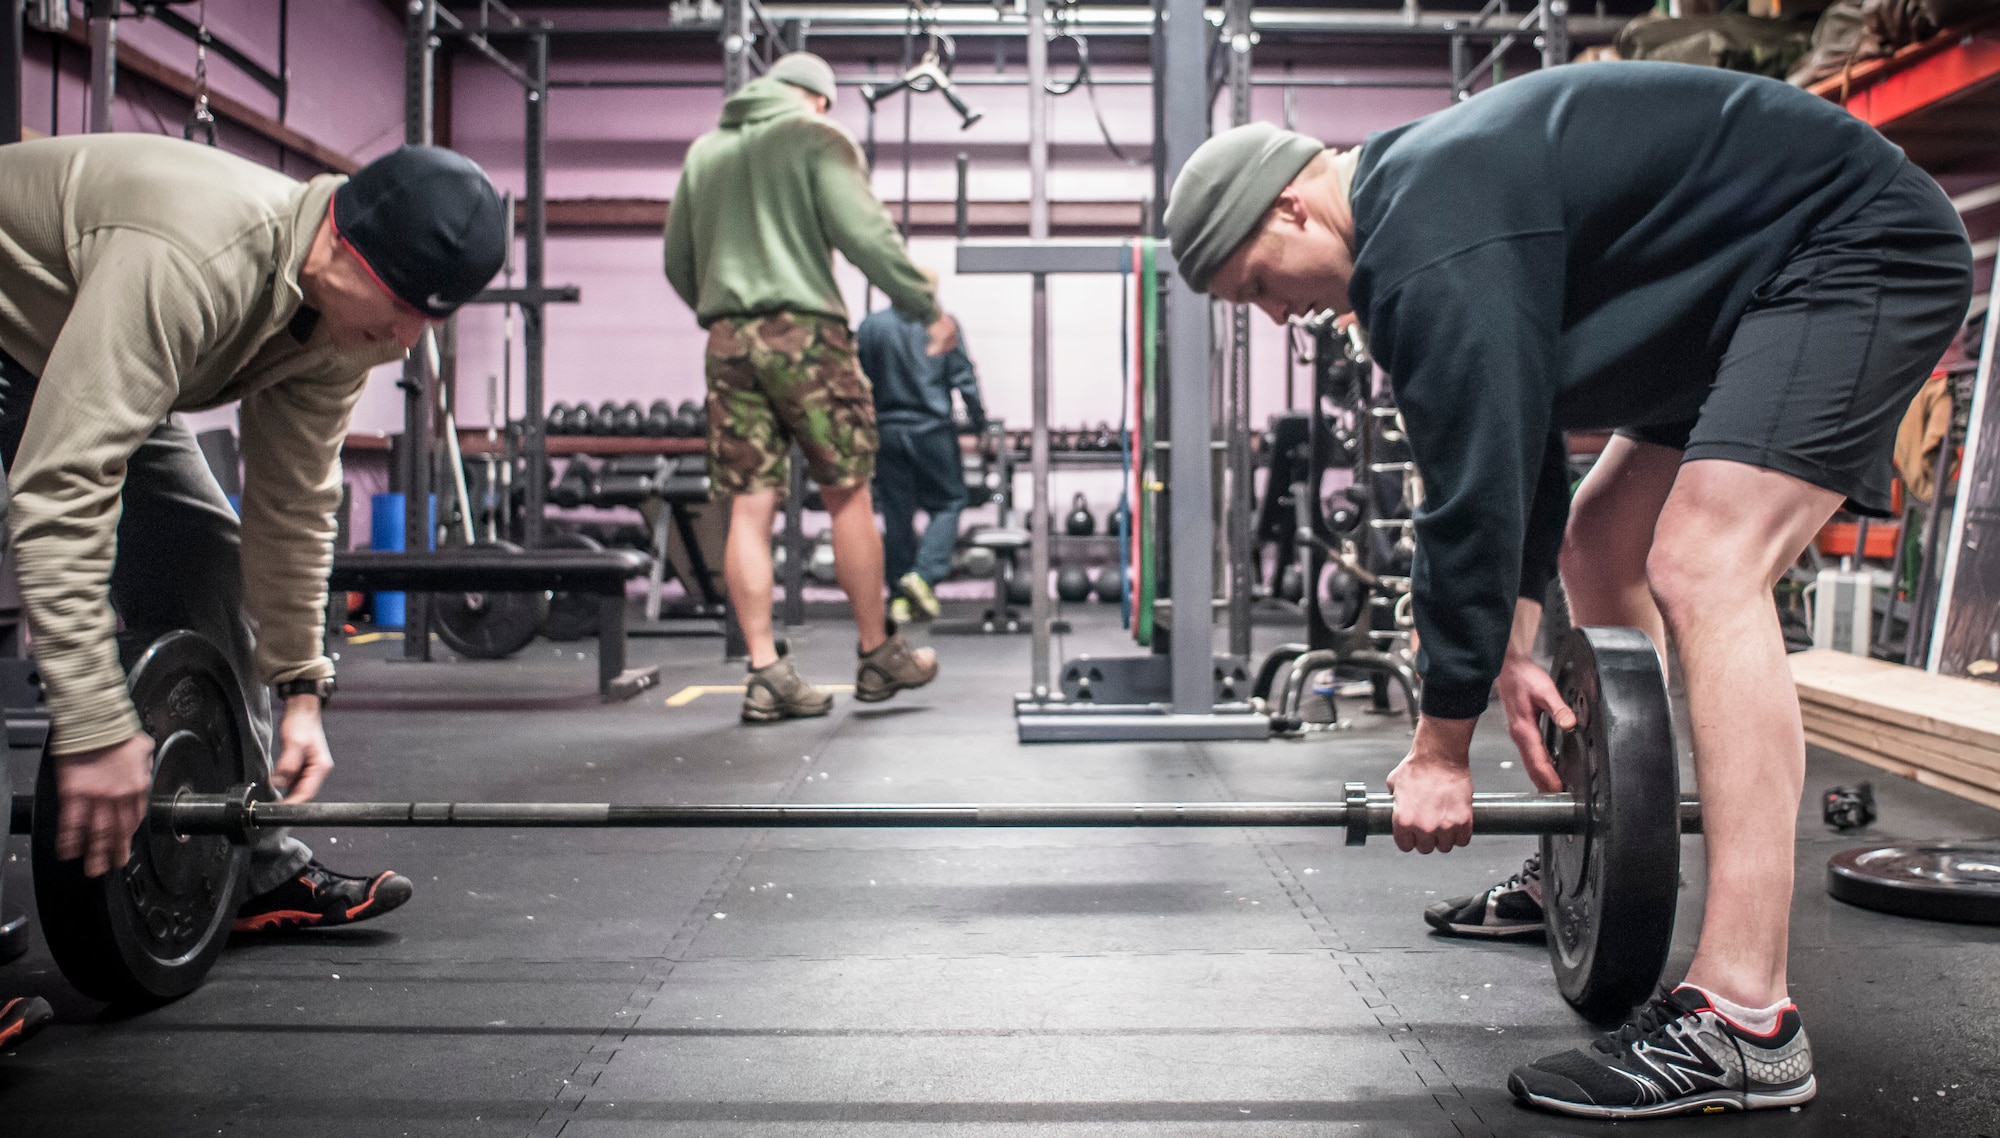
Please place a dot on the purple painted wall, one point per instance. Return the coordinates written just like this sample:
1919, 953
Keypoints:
632, 339
346, 92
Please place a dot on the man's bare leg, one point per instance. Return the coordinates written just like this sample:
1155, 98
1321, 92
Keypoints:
746, 570
1727, 533
857, 560
1610, 534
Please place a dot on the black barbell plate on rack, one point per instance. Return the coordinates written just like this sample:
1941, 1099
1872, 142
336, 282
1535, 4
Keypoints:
1940, 881
150, 931
1609, 888
489, 626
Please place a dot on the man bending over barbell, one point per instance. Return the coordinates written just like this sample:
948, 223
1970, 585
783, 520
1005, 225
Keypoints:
140, 276
1745, 281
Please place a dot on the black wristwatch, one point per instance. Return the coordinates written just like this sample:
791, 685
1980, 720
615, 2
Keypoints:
324, 689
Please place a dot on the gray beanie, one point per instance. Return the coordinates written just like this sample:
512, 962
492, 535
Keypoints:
806, 71
1224, 191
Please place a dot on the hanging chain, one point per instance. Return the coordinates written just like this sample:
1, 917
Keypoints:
200, 120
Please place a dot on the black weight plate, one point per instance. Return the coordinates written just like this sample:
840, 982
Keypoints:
489, 626
571, 616
150, 931
1941, 882
1608, 891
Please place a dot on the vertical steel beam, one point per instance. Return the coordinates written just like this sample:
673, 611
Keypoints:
736, 43
536, 171
1554, 40
419, 385
1040, 612
1239, 40
103, 63
1191, 533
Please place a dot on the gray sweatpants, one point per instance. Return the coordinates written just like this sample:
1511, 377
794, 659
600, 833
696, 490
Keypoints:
179, 565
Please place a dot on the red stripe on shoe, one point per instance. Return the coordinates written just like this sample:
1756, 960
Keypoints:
278, 917
369, 902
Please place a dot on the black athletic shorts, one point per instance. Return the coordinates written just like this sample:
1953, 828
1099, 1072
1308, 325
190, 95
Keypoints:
1835, 344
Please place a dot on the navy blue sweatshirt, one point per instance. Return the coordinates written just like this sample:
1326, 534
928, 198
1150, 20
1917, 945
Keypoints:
1571, 249
912, 388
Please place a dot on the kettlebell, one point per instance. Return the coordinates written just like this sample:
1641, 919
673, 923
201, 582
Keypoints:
1291, 583
978, 561
1080, 522
1073, 584
1112, 519
1018, 592
685, 426
821, 565
1110, 584
631, 420
1107, 439
557, 420
607, 418
659, 420
582, 420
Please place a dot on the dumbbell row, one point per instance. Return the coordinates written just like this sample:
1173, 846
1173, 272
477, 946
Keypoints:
237, 814
660, 421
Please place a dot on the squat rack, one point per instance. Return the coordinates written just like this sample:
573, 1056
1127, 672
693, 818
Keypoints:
430, 27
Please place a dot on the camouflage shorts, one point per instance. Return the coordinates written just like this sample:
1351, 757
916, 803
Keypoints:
781, 379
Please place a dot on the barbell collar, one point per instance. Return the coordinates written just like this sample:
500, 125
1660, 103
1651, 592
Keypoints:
1361, 813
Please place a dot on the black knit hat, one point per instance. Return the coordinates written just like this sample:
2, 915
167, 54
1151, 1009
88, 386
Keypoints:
428, 225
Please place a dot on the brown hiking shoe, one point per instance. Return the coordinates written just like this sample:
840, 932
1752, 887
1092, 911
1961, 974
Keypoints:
777, 691
892, 667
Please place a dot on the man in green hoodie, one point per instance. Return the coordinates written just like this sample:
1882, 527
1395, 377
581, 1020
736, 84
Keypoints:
763, 202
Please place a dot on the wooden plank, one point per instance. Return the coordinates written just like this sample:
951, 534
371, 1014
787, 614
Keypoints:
1916, 757
256, 122
1917, 774
1951, 706
1843, 721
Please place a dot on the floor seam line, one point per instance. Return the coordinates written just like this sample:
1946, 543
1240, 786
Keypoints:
569, 1098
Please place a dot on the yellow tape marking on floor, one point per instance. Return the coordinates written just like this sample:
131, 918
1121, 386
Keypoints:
694, 692
372, 637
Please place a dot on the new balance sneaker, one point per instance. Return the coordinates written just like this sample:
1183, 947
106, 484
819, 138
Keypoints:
22, 1017
320, 898
1677, 1055
1509, 910
922, 599
777, 691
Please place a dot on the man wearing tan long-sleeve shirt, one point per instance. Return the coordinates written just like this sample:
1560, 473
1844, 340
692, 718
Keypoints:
142, 276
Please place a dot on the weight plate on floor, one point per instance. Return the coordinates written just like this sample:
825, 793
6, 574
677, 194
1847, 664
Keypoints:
571, 616
489, 626
150, 931
1609, 890
1941, 882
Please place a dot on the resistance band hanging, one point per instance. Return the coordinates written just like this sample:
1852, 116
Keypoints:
200, 120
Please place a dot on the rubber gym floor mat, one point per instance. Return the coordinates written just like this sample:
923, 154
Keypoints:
990, 983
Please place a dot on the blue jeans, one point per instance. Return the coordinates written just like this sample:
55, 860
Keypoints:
916, 468
178, 566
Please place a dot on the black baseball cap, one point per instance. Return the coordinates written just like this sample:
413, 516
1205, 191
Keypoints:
427, 223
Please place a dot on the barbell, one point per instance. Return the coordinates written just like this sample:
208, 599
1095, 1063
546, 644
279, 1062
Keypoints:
151, 930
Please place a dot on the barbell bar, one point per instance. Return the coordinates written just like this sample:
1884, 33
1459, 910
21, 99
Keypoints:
1362, 813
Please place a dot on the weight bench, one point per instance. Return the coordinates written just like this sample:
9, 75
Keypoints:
555, 570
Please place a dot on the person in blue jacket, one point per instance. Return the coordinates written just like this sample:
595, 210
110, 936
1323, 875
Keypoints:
918, 465
1744, 281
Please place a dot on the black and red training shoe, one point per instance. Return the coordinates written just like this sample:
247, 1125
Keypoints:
320, 898
22, 1017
